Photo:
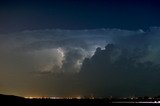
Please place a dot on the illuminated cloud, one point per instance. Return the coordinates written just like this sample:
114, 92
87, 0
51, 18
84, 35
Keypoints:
52, 59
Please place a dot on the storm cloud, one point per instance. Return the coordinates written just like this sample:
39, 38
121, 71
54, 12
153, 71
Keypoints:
102, 62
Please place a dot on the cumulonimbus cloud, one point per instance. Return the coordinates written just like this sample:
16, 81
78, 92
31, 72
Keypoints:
75, 45
54, 51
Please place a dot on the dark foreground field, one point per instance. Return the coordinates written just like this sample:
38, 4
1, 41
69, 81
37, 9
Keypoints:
6, 100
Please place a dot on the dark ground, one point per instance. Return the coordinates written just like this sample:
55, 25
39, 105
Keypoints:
9, 100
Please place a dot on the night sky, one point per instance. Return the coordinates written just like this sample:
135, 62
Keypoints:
80, 47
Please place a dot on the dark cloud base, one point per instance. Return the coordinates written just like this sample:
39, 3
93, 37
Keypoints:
119, 72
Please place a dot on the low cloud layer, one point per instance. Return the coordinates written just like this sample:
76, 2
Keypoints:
73, 62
